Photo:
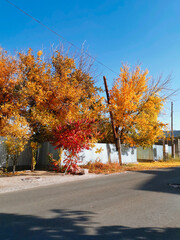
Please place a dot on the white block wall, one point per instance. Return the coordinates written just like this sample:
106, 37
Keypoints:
108, 153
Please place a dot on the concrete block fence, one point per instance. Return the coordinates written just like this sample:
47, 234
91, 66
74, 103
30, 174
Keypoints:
102, 152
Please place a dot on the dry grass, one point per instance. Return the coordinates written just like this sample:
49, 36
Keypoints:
108, 168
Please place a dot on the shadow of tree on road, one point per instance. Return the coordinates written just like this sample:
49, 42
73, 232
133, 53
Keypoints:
76, 225
161, 180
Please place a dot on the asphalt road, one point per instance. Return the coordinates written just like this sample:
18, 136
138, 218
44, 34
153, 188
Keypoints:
136, 205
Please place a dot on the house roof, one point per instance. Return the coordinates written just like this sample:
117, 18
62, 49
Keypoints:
176, 133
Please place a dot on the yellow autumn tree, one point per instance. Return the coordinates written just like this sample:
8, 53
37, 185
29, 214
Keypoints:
16, 134
136, 102
12, 126
55, 91
43, 93
8, 89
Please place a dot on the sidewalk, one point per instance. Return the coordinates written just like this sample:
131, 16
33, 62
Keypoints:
38, 178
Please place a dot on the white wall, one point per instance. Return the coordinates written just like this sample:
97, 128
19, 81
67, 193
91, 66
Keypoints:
153, 153
108, 153
157, 152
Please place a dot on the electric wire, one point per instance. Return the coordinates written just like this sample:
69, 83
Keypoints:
59, 35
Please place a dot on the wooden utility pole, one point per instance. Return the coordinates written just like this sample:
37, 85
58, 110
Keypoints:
116, 138
172, 133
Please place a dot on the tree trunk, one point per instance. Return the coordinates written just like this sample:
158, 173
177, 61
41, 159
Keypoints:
14, 166
60, 151
7, 164
14, 162
32, 160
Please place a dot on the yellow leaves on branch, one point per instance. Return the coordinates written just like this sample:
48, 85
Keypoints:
8, 83
39, 53
136, 107
34, 145
17, 135
45, 92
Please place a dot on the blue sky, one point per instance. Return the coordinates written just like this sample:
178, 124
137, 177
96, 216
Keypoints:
114, 31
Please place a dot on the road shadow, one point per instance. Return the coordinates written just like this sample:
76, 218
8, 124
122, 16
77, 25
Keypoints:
74, 225
162, 181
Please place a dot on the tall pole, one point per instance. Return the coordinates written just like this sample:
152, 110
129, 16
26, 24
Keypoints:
111, 115
116, 138
172, 133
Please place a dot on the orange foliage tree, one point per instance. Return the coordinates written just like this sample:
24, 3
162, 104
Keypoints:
136, 102
16, 138
55, 92
13, 126
8, 89
45, 93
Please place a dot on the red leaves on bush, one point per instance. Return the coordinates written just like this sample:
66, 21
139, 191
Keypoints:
74, 136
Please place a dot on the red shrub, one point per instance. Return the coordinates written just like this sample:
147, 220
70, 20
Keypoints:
74, 136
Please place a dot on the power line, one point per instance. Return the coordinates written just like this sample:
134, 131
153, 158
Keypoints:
57, 34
